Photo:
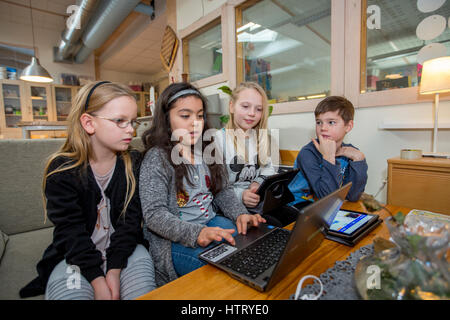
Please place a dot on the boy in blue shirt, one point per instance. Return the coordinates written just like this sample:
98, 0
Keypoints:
326, 163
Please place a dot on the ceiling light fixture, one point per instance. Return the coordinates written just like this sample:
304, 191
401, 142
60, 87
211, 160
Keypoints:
393, 76
34, 71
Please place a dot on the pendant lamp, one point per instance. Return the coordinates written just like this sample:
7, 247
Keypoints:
34, 71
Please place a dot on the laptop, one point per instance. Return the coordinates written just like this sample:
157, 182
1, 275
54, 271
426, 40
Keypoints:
266, 254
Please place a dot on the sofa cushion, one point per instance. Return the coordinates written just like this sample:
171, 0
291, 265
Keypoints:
18, 266
22, 163
3, 241
137, 144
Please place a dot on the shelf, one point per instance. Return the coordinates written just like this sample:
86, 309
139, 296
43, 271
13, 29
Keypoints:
41, 103
391, 125
145, 118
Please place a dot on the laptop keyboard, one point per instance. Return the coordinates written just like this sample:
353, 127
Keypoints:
259, 256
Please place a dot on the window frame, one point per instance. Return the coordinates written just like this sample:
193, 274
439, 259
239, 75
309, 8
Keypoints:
356, 51
336, 57
214, 18
347, 19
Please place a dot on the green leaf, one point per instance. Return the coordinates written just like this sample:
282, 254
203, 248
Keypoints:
399, 217
225, 89
415, 242
224, 119
270, 110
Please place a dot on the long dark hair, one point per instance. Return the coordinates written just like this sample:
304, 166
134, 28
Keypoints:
159, 135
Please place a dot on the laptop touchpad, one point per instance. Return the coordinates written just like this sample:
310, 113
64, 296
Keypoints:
254, 233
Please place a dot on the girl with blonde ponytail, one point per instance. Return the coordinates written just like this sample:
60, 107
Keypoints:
90, 192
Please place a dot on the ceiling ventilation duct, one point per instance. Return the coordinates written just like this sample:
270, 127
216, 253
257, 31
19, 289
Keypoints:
70, 38
98, 20
105, 20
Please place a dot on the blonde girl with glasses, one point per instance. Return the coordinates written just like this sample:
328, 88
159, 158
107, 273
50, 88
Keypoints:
90, 188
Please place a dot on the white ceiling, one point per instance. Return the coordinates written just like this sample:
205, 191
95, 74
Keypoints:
141, 53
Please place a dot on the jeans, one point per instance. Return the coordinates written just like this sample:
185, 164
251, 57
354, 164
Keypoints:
186, 259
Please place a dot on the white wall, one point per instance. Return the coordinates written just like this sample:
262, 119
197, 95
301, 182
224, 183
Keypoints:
189, 11
224, 98
123, 77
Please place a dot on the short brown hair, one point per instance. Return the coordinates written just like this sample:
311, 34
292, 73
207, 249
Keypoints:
333, 103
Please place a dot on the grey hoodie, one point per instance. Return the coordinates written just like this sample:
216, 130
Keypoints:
161, 212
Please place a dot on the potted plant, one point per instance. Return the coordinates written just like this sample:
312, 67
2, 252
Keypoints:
414, 266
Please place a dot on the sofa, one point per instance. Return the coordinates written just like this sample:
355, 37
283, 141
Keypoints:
24, 231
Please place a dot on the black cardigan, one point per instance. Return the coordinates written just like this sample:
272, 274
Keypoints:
72, 198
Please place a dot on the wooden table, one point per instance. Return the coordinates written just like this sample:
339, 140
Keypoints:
210, 283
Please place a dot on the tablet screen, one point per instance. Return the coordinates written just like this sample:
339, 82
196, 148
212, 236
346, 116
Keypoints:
347, 222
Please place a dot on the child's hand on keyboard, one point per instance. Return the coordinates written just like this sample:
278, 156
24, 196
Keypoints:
245, 220
210, 234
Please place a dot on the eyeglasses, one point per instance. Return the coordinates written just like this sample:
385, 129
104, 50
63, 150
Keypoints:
121, 123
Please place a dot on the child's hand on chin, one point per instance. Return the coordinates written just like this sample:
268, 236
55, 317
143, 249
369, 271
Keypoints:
327, 148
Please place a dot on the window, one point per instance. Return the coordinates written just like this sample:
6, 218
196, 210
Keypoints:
285, 46
397, 36
300, 51
202, 52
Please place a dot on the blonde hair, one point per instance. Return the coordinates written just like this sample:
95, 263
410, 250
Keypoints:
78, 143
262, 141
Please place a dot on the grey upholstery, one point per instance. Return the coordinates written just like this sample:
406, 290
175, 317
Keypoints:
22, 164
